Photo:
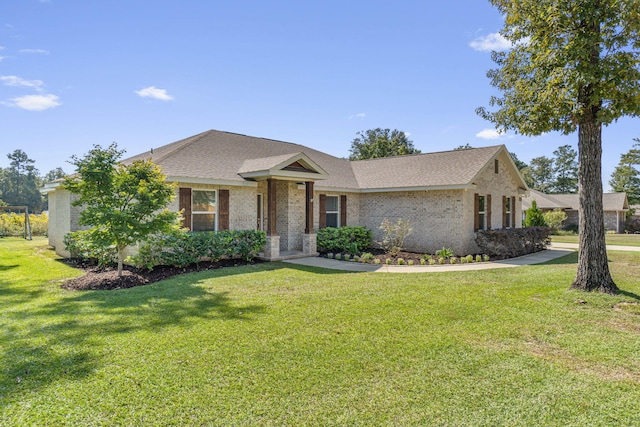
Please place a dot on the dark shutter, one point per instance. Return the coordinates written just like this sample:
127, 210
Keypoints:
488, 208
184, 202
476, 212
504, 211
223, 210
513, 212
322, 217
343, 211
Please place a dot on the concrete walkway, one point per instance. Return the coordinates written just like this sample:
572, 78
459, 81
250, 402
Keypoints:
332, 264
609, 247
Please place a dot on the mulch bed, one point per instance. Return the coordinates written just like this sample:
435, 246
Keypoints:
107, 278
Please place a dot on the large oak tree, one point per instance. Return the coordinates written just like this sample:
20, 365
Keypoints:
573, 66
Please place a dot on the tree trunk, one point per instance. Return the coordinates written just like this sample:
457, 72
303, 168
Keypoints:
593, 268
120, 259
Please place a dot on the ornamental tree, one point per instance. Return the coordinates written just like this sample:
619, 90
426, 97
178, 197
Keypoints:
573, 66
121, 203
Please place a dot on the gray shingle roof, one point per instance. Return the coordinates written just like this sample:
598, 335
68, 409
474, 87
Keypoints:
610, 201
220, 155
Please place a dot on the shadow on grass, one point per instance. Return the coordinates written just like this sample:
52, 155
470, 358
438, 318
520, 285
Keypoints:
571, 258
8, 267
629, 294
68, 335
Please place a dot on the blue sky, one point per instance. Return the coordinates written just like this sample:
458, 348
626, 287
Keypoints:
143, 73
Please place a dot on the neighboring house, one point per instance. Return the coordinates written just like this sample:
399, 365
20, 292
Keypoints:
231, 181
614, 205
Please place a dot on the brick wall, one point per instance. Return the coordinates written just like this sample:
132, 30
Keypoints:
242, 204
437, 217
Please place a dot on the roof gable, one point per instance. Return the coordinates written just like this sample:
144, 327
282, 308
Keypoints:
298, 166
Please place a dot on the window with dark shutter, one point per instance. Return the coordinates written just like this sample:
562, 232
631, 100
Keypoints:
343, 210
488, 211
223, 210
322, 205
184, 202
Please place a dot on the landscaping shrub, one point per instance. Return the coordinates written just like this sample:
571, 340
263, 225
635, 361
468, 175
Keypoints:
554, 219
632, 225
349, 239
513, 242
533, 216
444, 253
80, 244
393, 235
181, 248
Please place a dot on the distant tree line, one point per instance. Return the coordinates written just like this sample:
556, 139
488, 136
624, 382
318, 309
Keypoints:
20, 183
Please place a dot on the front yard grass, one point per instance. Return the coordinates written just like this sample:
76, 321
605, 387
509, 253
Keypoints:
276, 344
612, 239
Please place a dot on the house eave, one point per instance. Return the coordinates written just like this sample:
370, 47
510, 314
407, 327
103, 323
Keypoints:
283, 175
211, 181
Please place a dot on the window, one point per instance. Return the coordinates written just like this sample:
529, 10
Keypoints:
203, 210
507, 212
496, 166
482, 212
332, 211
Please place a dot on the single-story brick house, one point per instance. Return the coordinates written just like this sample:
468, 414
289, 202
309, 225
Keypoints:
232, 181
614, 205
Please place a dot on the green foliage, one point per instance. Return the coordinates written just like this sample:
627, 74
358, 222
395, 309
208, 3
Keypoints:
533, 216
539, 174
512, 242
349, 239
20, 181
375, 143
82, 245
12, 224
626, 176
554, 219
180, 248
565, 170
444, 253
393, 235
121, 203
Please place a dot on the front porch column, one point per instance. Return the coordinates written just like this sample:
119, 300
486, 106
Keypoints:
272, 248
271, 207
308, 228
309, 239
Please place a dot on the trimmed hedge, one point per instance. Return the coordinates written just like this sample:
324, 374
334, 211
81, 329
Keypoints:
181, 248
348, 239
80, 245
178, 248
513, 242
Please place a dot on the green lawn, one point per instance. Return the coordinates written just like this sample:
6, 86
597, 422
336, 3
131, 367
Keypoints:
278, 345
612, 239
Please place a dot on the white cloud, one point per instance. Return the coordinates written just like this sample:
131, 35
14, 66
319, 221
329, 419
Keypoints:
494, 41
38, 51
155, 93
19, 81
357, 116
35, 102
490, 134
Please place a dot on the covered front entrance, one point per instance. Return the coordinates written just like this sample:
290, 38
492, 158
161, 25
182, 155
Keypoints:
288, 183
